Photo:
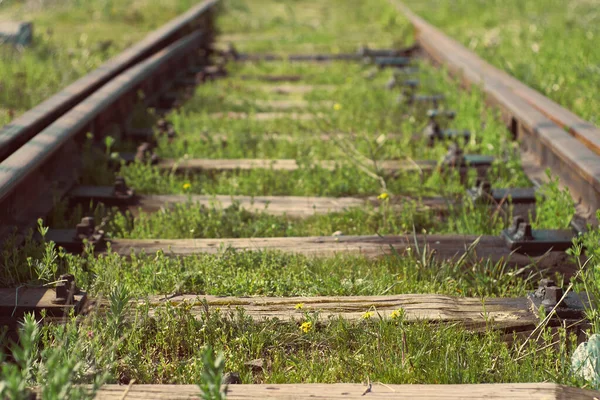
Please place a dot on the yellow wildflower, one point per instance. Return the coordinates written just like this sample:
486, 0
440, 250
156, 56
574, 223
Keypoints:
306, 326
299, 306
367, 315
399, 313
337, 106
383, 196
187, 186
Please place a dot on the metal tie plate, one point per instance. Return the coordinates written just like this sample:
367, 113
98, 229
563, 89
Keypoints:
520, 237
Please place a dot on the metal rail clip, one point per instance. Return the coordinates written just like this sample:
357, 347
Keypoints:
434, 132
483, 193
548, 295
520, 237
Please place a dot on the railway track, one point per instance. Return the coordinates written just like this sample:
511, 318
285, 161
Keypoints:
62, 161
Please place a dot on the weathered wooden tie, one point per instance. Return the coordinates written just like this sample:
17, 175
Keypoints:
273, 78
442, 247
480, 163
266, 116
119, 195
148, 134
281, 104
292, 206
284, 89
500, 391
509, 314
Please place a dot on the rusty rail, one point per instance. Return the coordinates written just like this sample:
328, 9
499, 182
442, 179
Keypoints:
549, 135
23, 128
49, 164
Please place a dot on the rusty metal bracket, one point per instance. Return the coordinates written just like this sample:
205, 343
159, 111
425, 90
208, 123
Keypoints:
455, 157
399, 73
412, 99
365, 51
409, 89
579, 224
447, 134
433, 114
434, 132
118, 195
54, 303
145, 154
483, 193
121, 190
166, 128
394, 62
87, 230
409, 85
548, 295
65, 290
72, 240
520, 237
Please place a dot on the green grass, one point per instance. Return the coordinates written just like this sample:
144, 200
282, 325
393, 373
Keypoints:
306, 181
193, 220
247, 273
169, 347
165, 348
241, 273
336, 351
307, 26
551, 45
367, 109
71, 38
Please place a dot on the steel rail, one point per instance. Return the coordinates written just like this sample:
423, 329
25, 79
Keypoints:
583, 130
537, 122
48, 165
26, 126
